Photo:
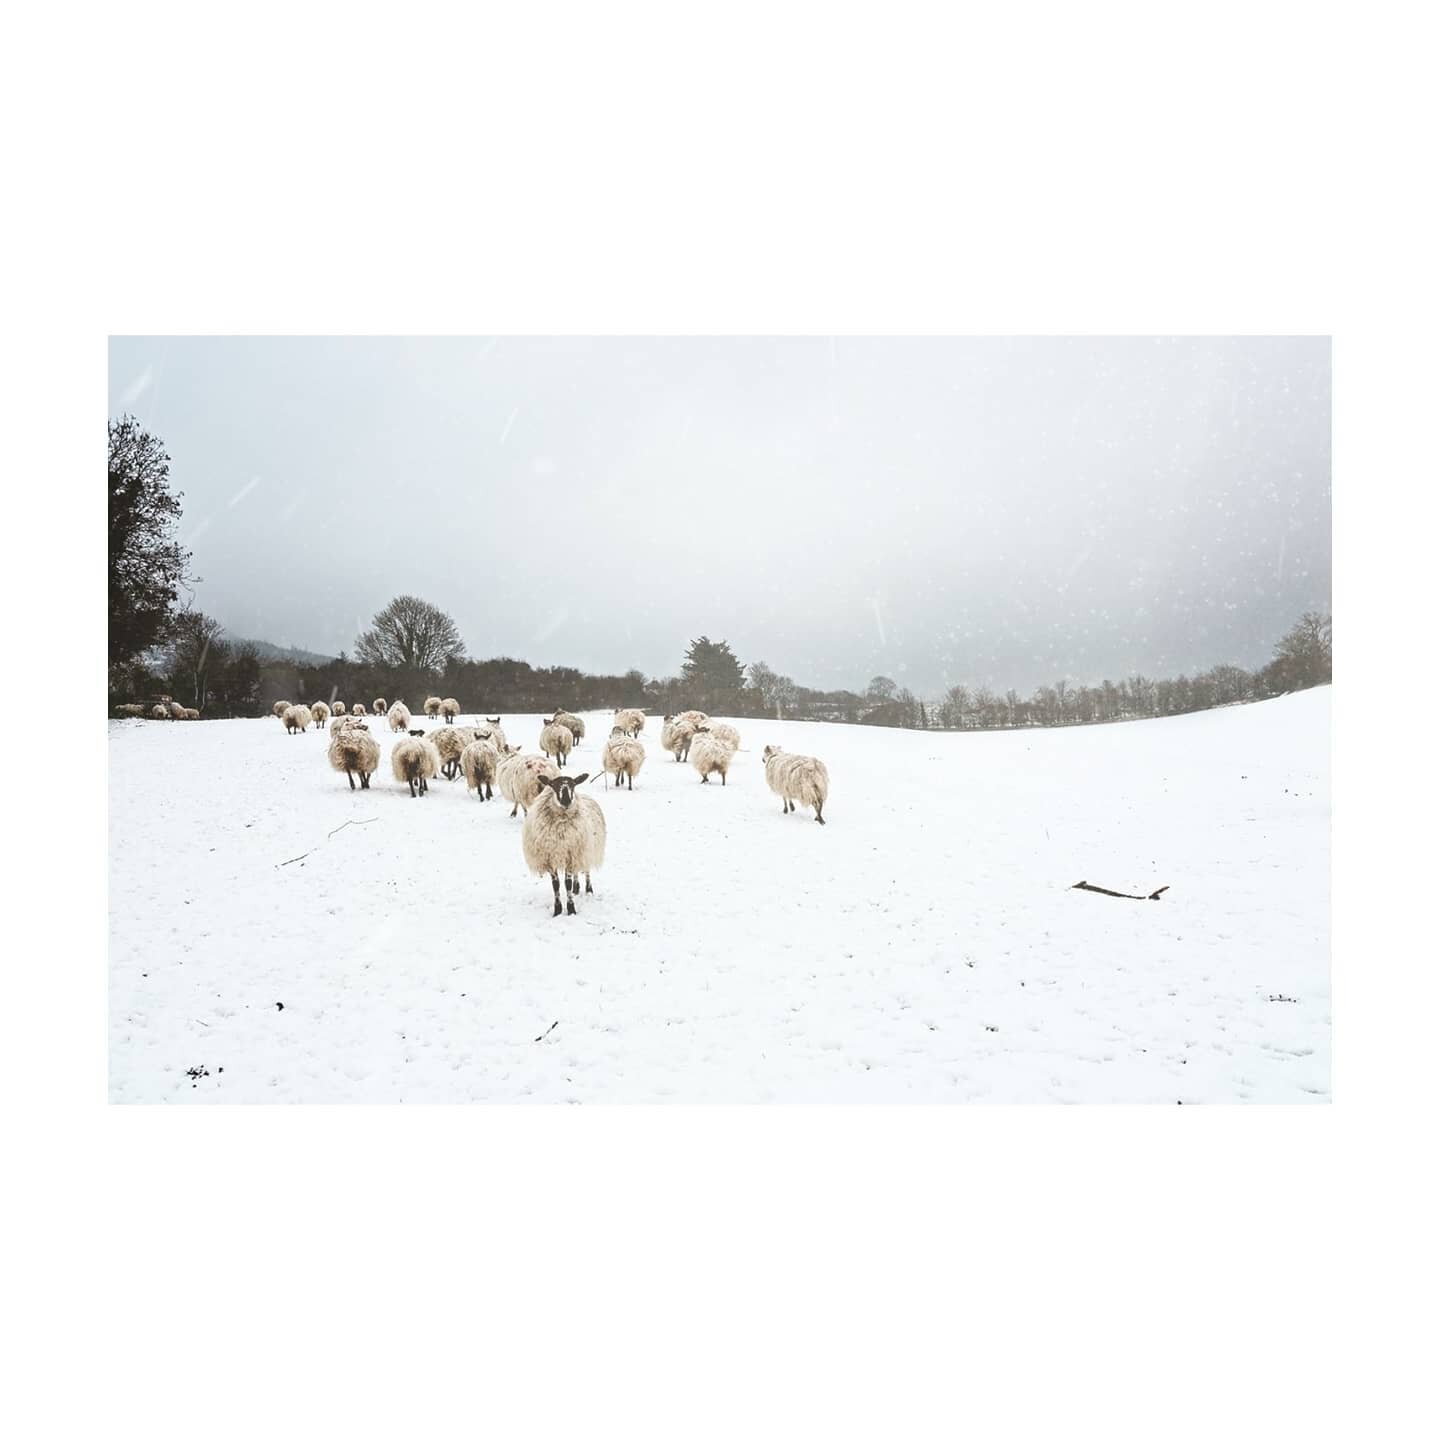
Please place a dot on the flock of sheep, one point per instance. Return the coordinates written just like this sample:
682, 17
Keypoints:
564, 831
166, 709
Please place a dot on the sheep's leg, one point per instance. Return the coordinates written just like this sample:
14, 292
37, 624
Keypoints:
424, 786
412, 788
572, 888
629, 784
705, 779
722, 777
350, 776
555, 885
589, 888
364, 781
819, 805
514, 808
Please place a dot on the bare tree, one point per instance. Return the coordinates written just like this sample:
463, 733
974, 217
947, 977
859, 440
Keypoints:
410, 634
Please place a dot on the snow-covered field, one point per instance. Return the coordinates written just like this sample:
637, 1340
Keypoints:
924, 945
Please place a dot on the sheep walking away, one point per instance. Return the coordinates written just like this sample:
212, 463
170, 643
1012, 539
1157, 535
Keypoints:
797, 779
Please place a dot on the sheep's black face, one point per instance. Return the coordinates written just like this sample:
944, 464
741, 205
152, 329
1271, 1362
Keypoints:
564, 787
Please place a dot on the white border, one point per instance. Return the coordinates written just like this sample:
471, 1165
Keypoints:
785, 169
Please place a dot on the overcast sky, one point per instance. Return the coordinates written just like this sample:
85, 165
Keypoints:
986, 511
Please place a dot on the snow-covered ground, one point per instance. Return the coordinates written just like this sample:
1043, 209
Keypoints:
924, 945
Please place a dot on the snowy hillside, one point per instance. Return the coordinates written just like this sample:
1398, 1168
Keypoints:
924, 945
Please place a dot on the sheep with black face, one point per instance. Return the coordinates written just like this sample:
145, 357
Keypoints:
564, 834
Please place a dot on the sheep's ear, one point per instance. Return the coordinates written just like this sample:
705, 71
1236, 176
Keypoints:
582, 778
544, 780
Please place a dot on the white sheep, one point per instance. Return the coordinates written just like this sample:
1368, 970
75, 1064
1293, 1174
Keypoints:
796, 779
490, 730
710, 756
450, 708
556, 739
480, 760
632, 722
177, 710
675, 736
450, 743
358, 709
519, 778
130, 710
564, 834
159, 712
192, 714
399, 716
297, 719
726, 734
414, 762
279, 708
354, 751
337, 707
380, 707
622, 756
321, 711
339, 719
432, 705
695, 717
573, 723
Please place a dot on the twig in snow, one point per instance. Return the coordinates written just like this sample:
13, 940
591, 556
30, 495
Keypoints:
335, 831
1120, 894
339, 828
553, 1024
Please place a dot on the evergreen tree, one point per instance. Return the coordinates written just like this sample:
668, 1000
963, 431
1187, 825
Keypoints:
713, 676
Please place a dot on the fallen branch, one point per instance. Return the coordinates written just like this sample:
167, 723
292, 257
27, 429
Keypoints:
335, 831
553, 1024
1119, 894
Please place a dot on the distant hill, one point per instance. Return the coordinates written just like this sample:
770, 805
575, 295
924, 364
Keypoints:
291, 654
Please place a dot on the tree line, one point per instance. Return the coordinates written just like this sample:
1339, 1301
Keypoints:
412, 649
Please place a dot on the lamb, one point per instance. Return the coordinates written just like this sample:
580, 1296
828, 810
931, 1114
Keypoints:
358, 709
192, 714
480, 760
414, 762
676, 735
321, 711
354, 751
399, 716
159, 712
432, 705
130, 710
573, 723
564, 832
632, 722
450, 744
279, 708
380, 707
519, 778
622, 756
297, 718
177, 710
450, 708
556, 739
797, 778
709, 755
